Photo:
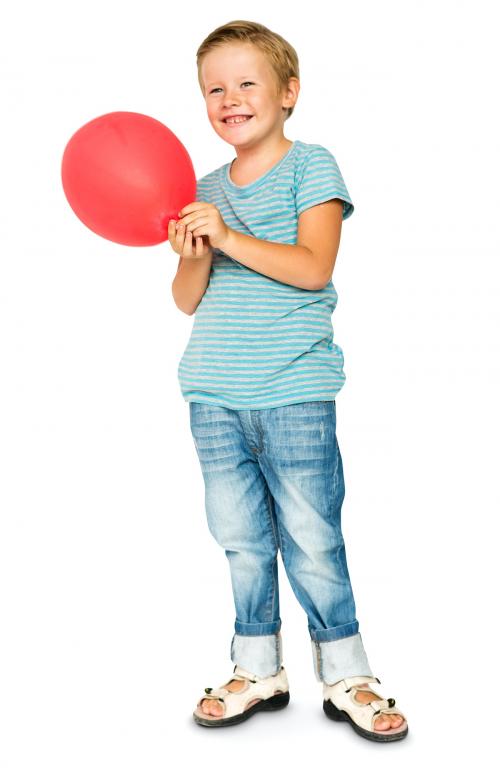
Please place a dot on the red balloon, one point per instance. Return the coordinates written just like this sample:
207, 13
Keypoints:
125, 175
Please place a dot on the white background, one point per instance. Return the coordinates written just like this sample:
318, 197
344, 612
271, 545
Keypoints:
116, 604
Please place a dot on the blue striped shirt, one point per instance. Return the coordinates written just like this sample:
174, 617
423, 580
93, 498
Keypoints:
257, 342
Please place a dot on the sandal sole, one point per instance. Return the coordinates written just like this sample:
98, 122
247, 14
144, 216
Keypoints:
334, 713
266, 705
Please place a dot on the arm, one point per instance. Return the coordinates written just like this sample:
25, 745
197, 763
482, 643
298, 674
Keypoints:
190, 282
292, 264
308, 264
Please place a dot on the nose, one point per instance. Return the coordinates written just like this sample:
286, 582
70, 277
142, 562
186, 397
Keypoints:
231, 99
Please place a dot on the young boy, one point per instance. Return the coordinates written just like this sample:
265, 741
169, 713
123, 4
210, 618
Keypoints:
261, 372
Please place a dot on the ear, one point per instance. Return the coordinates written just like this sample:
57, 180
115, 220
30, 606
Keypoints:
291, 92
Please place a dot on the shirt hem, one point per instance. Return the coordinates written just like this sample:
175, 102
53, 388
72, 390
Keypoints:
258, 407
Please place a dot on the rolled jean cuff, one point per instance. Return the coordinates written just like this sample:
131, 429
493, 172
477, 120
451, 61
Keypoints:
261, 655
266, 628
334, 633
336, 659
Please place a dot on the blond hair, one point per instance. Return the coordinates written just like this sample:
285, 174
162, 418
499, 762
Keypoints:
281, 55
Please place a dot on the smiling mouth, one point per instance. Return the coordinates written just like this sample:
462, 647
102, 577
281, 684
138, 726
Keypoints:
238, 121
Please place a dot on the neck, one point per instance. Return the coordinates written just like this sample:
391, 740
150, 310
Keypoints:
261, 155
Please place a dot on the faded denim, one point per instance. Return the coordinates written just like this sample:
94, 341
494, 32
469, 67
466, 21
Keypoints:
274, 481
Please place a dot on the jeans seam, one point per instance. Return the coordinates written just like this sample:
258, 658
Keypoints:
319, 659
273, 592
336, 521
270, 516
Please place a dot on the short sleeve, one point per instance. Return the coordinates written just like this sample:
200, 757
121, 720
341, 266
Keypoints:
318, 180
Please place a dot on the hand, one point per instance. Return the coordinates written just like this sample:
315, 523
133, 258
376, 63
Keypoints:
182, 242
205, 219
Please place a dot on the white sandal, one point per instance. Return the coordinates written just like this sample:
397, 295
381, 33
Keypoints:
272, 692
340, 703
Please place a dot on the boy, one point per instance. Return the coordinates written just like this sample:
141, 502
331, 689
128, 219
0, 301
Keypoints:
261, 372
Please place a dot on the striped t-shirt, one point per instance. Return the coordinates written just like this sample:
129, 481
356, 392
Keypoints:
257, 342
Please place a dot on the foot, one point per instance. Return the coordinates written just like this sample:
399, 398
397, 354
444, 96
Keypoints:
382, 722
212, 707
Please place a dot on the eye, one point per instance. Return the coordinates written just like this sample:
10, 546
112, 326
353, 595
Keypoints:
247, 82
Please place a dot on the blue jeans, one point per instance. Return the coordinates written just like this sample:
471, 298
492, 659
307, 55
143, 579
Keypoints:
274, 480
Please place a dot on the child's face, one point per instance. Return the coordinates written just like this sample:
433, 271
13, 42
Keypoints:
238, 80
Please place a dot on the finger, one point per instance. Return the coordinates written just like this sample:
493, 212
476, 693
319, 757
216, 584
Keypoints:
196, 205
188, 245
187, 220
191, 219
199, 246
199, 226
180, 234
171, 231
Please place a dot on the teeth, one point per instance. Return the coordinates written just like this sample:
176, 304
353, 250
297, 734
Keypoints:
236, 119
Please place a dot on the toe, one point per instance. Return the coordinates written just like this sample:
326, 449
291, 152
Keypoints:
211, 707
396, 721
382, 723
386, 722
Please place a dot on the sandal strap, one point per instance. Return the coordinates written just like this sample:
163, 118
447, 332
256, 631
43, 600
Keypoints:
352, 682
239, 674
383, 705
242, 674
